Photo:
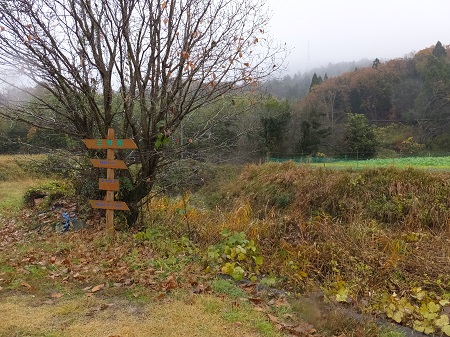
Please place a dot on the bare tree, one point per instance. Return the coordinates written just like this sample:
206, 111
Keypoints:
140, 66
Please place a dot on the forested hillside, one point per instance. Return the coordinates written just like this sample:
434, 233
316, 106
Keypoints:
406, 99
393, 108
297, 86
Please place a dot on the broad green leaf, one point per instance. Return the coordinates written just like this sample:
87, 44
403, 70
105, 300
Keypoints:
424, 309
228, 268
258, 260
431, 316
433, 307
418, 326
429, 329
398, 316
241, 256
446, 329
342, 295
238, 273
442, 321
389, 312
419, 293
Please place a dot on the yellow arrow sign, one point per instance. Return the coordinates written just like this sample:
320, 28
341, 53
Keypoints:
108, 163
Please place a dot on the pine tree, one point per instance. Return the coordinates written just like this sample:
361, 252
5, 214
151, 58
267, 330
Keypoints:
439, 50
376, 63
315, 81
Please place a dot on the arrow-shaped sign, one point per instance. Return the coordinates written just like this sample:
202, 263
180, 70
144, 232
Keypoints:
110, 144
108, 184
109, 163
104, 204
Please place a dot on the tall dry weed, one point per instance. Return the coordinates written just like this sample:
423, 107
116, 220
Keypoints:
358, 230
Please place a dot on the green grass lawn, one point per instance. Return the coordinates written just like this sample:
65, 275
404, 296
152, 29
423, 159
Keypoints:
426, 163
15, 181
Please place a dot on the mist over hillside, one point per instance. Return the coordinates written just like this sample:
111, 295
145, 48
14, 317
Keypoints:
297, 86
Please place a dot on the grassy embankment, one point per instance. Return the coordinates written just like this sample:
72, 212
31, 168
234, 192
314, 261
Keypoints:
15, 180
375, 240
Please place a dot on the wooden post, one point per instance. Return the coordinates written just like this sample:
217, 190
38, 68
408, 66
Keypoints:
110, 194
109, 184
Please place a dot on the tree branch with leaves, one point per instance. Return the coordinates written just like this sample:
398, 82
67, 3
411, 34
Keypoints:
139, 66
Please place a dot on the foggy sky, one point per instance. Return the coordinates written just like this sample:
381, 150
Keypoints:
350, 30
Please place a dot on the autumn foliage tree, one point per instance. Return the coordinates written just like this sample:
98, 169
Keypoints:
140, 66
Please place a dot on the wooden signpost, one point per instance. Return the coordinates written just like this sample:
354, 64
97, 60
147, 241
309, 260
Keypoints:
109, 184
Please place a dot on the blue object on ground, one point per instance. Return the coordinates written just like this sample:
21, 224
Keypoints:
66, 221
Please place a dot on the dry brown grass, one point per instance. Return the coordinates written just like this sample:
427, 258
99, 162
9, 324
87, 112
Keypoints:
366, 233
83, 316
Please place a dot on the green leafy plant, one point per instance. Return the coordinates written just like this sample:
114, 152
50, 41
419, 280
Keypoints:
423, 311
161, 240
235, 256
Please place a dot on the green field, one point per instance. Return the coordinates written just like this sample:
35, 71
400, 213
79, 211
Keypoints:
426, 163
15, 180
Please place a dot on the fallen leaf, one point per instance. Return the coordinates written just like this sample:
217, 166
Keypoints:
98, 308
26, 284
56, 295
200, 289
280, 302
273, 318
255, 300
170, 283
97, 288
301, 329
